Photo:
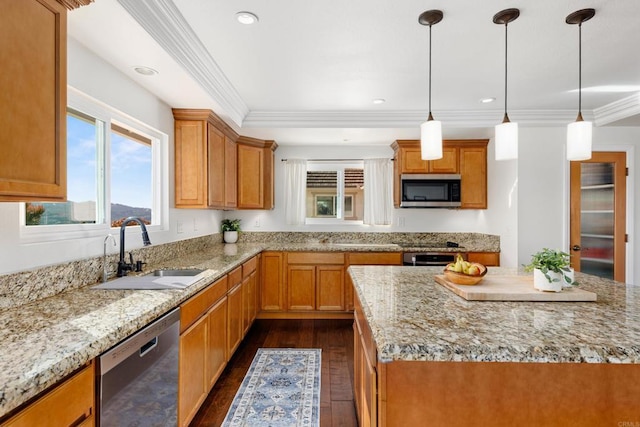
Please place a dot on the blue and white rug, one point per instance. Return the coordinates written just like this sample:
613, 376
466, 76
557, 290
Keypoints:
281, 389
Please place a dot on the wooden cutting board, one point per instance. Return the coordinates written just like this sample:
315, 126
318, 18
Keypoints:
513, 288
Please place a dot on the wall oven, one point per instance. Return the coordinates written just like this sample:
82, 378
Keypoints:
430, 190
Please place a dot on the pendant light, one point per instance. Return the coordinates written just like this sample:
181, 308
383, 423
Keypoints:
431, 130
506, 132
579, 133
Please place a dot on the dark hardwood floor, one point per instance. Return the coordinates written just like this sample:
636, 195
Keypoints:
334, 337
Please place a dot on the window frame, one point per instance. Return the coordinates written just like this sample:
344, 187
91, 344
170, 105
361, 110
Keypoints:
338, 166
102, 112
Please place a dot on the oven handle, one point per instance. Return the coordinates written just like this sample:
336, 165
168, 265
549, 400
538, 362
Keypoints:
153, 343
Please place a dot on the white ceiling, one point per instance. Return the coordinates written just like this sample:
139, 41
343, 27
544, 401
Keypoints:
308, 71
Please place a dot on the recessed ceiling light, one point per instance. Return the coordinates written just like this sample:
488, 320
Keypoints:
145, 71
246, 18
487, 100
379, 101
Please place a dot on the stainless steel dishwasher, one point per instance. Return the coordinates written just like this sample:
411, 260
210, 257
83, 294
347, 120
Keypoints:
139, 377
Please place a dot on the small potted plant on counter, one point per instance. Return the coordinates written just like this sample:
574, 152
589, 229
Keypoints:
230, 228
551, 270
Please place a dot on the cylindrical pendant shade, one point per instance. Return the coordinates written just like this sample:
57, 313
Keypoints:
431, 140
579, 136
507, 141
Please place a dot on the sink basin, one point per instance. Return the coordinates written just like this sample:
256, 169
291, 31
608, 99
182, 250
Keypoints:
157, 279
175, 272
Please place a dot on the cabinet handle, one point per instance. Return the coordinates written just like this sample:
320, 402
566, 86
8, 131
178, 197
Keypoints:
576, 248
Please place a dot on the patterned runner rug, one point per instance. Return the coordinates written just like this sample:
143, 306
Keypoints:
282, 388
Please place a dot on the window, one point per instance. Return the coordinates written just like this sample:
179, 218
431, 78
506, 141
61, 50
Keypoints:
335, 192
112, 161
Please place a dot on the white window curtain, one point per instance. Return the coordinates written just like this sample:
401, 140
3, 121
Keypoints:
378, 191
295, 192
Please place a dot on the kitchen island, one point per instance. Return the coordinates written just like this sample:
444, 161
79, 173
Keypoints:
425, 356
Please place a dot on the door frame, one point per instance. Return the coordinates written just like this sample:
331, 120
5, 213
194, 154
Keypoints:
629, 215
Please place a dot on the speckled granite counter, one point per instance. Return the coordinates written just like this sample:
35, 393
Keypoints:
413, 318
43, 341
67, 323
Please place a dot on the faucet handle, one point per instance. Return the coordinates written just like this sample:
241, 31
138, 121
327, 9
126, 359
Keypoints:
139, 265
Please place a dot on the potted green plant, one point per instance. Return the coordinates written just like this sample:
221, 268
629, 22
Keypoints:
230, 229
551, 270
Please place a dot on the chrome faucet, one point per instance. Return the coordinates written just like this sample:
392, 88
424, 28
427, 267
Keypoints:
124, 267
105, 273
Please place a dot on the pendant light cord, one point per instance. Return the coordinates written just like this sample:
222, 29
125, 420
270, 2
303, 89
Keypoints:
429, 70
580, 69
506, 117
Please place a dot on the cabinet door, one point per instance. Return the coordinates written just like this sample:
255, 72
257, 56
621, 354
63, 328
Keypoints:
67, 404
255, 300
217, 341
234, 319
250, 177
190, 163
193, 385
330, 288
33, 95
411, 161
272, 283
230, 173
490, 259
215, 167
447, 164
301, 280
247, 304
473, 177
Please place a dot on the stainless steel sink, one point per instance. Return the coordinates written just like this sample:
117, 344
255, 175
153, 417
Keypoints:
157, 279
175, 272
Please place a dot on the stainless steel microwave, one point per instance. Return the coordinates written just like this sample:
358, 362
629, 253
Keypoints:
430, 190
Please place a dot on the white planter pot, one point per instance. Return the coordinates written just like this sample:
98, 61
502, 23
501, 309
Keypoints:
230, 236
541, 283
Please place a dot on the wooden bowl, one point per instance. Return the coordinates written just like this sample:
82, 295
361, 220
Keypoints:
465, 279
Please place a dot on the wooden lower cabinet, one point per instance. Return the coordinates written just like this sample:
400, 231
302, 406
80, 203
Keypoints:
364, 376
203, 347
193, 384
217, 355
69, 403
315, 281
272, 291
249, 293
235, 318
490, 259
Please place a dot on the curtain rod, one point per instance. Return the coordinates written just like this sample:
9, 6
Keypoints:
333, 160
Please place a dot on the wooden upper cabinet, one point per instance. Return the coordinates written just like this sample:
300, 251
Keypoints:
467, 157
411, 161
473, 175
205, 160
33, 95
255, 173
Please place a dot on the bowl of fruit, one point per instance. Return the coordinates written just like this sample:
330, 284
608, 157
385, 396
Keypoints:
464, 272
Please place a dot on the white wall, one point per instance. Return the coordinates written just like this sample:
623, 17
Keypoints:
499, 219
96, 78
543, 182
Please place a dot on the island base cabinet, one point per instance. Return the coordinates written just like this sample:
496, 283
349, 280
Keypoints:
364, 380
507, 394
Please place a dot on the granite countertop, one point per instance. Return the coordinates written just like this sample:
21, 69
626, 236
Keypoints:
414, 318
43, 341
46, 340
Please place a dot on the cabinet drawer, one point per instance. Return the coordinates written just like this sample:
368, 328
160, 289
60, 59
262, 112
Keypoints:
380, 258
235, 277
249, 266
70, 403
490, 259
197, 305
315, 258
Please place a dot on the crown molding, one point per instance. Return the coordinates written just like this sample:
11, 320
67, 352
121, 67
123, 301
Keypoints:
618, 110
394, 119
166, 25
